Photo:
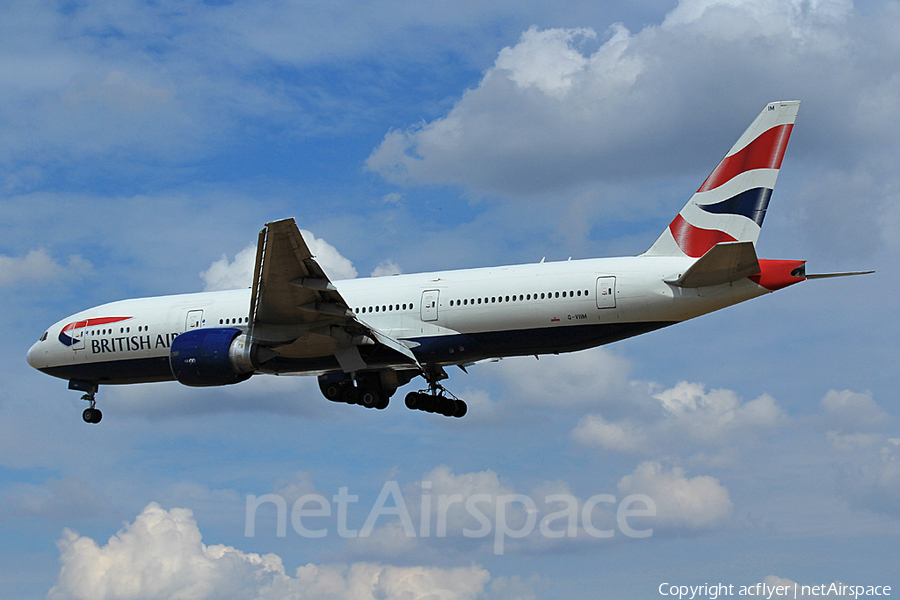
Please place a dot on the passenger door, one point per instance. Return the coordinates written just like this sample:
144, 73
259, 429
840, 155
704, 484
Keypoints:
430, 299
606, 292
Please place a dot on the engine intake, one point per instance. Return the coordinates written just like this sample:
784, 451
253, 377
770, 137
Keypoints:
207, 357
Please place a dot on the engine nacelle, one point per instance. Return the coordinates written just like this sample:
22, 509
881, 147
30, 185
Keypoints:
206, 357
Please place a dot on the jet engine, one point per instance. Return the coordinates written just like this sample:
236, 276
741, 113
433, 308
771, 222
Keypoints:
207, 357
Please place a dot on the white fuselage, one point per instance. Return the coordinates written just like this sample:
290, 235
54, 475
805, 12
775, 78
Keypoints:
447, 317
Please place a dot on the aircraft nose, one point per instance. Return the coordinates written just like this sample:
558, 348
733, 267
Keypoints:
32, 356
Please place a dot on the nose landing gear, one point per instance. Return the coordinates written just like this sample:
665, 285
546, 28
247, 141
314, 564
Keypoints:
91, 414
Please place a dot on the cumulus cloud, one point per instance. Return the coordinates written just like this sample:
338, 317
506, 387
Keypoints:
866, 446
573, 381
689, 418
576, 109
385, 268
594, 430
38, 266
869, 478
228, 275
681, 502
231, 275
849, 411
479, 511
161, 555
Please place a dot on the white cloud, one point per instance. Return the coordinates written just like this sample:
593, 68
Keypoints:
386, 268
852, 412
690, 418
713, 415
335, 266
696, 503
738, 19
441, 522
161, 555
573, 381
231, 275
556, 114
594, 430
865, 450
228, 275
38, 266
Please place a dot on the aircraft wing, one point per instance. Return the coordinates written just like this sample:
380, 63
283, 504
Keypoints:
297, 312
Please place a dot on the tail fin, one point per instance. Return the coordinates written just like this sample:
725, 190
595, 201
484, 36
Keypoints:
731, 203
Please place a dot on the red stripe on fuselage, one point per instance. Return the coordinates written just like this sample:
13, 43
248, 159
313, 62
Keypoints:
695, 241
93, 322
764, 152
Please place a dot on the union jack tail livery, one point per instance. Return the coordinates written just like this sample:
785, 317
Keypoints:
731, 203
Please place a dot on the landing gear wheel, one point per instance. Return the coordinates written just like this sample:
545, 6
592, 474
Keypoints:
92, 415
414, 401
368, 398
350, 394
436, 399
461, 409
383, 401
446, 406
332, 392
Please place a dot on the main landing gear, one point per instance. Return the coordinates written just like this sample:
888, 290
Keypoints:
91, 414
373, 390
363, 392
436, 399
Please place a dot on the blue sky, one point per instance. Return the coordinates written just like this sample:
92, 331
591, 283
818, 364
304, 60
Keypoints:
143, 145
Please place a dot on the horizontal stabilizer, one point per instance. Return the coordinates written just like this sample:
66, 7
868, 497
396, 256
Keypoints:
723, 263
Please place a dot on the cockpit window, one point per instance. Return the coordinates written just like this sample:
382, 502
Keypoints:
44, 337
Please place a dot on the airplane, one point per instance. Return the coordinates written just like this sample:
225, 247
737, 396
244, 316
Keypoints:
365, 338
